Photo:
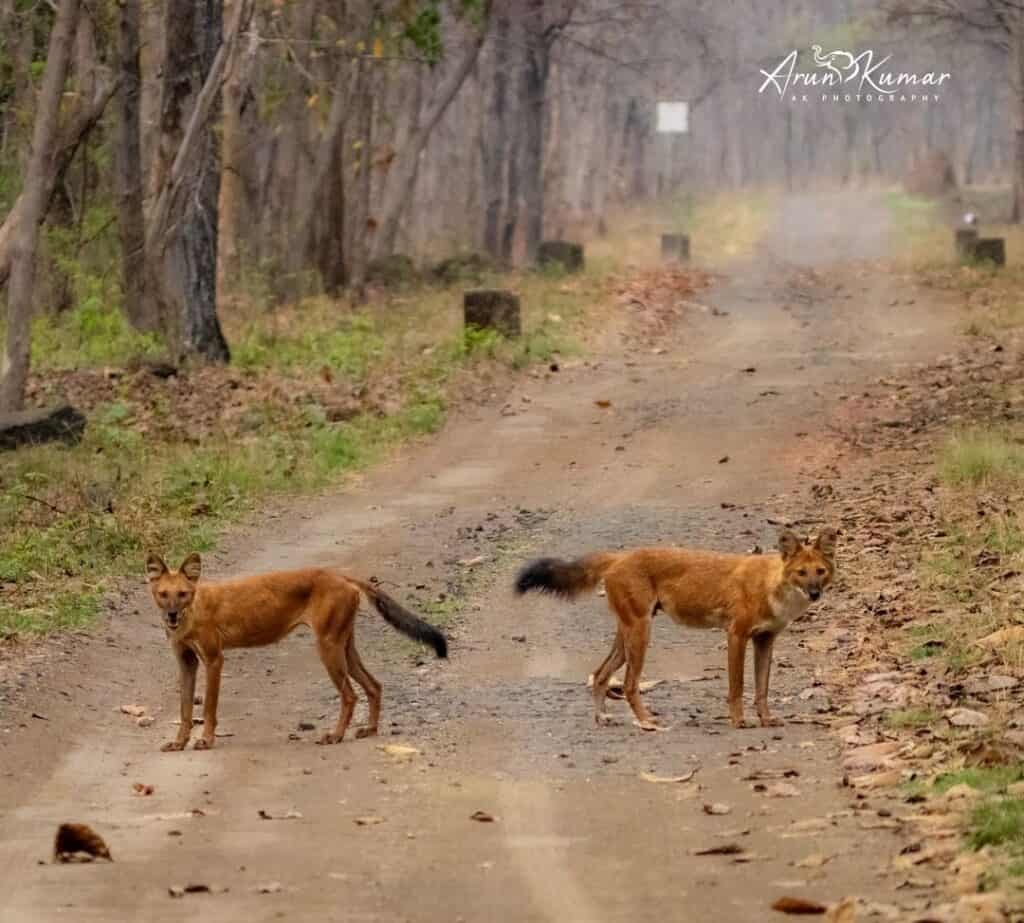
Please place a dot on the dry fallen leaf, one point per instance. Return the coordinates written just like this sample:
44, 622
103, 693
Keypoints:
726, 849
651, 777
798, 905
269, 887
399, 751
813, 861
136, 711
141, 788
288, 815
369, 820
482, 816
717, 808
603, 403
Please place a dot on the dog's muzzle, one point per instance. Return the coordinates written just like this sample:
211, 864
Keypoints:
171, 618
814, 593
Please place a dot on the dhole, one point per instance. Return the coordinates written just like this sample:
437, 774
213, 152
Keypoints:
749, 596
203, 620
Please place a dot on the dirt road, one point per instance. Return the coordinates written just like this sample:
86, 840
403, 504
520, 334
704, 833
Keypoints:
505, 726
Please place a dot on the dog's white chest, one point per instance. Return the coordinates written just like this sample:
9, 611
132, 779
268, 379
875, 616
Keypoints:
787, 605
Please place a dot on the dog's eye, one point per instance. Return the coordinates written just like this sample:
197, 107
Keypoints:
162, 594
821, 571
182, 595
802, 572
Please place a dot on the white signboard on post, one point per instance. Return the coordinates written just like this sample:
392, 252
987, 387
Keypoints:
673, 118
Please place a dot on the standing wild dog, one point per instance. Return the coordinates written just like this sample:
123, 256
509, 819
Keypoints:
203, 620
749, 596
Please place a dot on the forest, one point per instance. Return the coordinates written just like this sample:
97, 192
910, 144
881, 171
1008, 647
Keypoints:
175, 162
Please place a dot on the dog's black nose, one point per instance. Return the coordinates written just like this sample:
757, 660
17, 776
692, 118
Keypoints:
814, 594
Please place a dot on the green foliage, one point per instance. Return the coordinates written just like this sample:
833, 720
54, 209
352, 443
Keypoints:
92, 334
990, 780
910, 718
997, 822
424, 25
423, 31
351, 348
980, 456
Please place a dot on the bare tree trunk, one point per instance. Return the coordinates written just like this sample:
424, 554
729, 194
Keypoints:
537, 67
402, 178
181, 240
513, 191
17, 347
495, 147
141, 312
360, 231
232, 185
329, 159
1017, 88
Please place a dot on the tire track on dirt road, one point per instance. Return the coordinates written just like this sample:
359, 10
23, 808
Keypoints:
505, 727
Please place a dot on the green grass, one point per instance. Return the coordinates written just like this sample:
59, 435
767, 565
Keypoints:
978, 457
997, 822
350, 348
102, 505
988, 780
911, 718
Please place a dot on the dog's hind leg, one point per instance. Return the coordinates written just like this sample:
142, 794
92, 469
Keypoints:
633, 603
602, 677
371, 687
332, 653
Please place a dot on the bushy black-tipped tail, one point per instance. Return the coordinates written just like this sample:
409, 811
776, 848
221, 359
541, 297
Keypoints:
401, 619
563, 578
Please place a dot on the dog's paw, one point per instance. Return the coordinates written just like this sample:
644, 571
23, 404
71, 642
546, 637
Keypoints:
365, 732
772, 722
649, 725
172, 745
328, 739
741, 723
204, 743
603, 720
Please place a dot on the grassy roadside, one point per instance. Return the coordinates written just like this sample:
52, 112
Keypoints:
317, 390
314, 393
960, 639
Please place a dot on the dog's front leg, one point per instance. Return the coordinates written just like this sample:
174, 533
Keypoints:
737, 656
188, 666
213, 665
762, 671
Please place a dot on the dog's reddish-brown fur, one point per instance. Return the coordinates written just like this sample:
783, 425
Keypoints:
750, 597
203, 619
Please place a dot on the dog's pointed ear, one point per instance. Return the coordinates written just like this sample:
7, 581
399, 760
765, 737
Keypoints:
192, 567
826, 542
789, 543
155, 567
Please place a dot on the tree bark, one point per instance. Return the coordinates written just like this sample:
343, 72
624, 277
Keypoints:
402, 178
537, 68
181, 240
1017, 84
17, 347
140, 310
360, 247
232, 185
495, 149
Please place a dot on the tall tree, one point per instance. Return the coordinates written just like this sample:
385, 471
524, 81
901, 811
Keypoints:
140, 310
17, 347
181, 237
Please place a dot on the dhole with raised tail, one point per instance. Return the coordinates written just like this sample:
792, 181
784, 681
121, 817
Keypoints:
203, 619
751, 597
